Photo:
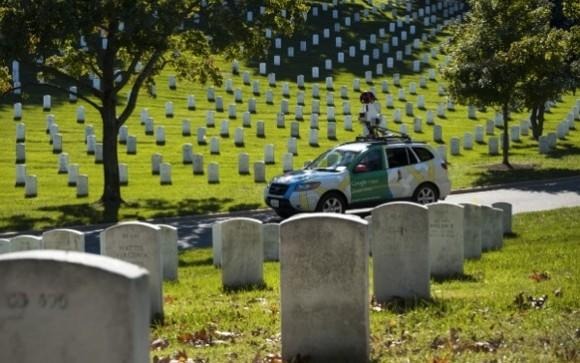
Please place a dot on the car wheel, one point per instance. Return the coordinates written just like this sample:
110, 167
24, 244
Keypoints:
331, 203
425, 194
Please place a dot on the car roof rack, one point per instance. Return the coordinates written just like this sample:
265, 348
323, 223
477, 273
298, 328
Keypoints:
380, 134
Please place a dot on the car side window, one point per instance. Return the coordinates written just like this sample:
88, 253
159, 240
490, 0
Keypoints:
372, 160
397, 157
423, 154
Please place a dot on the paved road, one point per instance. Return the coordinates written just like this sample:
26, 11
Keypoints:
528, 197
195, 231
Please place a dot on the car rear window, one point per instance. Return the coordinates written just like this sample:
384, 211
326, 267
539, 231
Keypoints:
397, 157
423, 154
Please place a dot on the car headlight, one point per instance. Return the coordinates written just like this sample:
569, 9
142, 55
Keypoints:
302, 187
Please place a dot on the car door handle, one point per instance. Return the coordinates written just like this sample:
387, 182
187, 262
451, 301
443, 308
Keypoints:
399, 176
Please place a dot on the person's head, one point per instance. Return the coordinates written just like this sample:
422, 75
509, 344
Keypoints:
367, 97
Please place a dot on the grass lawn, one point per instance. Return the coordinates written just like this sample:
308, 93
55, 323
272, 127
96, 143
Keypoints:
57, 204
493, 314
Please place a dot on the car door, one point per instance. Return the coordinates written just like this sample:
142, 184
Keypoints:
369, 178
401, 172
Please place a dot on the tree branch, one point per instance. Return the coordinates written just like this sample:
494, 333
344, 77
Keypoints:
137, 85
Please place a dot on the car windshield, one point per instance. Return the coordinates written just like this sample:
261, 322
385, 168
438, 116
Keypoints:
333, 159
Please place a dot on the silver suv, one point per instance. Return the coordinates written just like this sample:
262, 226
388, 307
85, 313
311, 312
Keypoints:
360, 174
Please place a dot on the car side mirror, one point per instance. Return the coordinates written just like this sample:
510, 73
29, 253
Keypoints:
360, 168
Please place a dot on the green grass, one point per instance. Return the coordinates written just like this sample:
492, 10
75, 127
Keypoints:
57, 204
473, 319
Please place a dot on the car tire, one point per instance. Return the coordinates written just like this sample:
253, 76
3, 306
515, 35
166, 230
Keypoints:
331, 203
425, 194
283, 213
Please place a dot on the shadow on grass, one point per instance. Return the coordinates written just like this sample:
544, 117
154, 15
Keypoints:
22, 222
456, 277
91, 213
205, 262
243, 288
399, 305
244, 206
494, 176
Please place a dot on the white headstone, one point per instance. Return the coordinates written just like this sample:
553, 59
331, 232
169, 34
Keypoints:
313, 295
259, 172
243, 163
468, 141
213, 173
82, 185
165, 174
46, 102
399, 238
446, 239
138, 243
64, 239
242, 252
479, 134
455, 146
131, 145
169, 257
17, 111
25, 242
437, 133
30, 186
201, 136
507, 215
493, 146
156, 160
271, 235
45, 293
197, 163
160, 135
472, 226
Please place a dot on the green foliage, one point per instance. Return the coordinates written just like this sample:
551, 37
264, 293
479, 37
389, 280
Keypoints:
483, 68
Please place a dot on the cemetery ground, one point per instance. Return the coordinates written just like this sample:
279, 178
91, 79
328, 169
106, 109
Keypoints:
520, 303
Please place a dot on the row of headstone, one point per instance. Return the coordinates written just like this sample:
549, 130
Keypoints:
73, 240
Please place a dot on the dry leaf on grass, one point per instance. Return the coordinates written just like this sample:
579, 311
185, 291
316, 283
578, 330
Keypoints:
159, 343
539, 276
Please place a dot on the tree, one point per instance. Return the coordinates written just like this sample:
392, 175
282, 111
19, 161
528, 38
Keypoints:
547, 72
125, 43
484, 69
551, 60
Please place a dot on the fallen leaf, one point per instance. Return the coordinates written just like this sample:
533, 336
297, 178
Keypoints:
539, 276
159, 343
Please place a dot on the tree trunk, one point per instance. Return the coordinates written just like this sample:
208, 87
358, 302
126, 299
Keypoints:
505, 143
537, 120
111, 197
541, 113
534, 122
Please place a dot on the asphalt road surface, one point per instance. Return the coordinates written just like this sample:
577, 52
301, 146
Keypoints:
195, 231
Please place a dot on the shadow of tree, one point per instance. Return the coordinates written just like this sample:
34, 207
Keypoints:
92, 213
495, 176
456, 277
400, 305
248, 287
205, 262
